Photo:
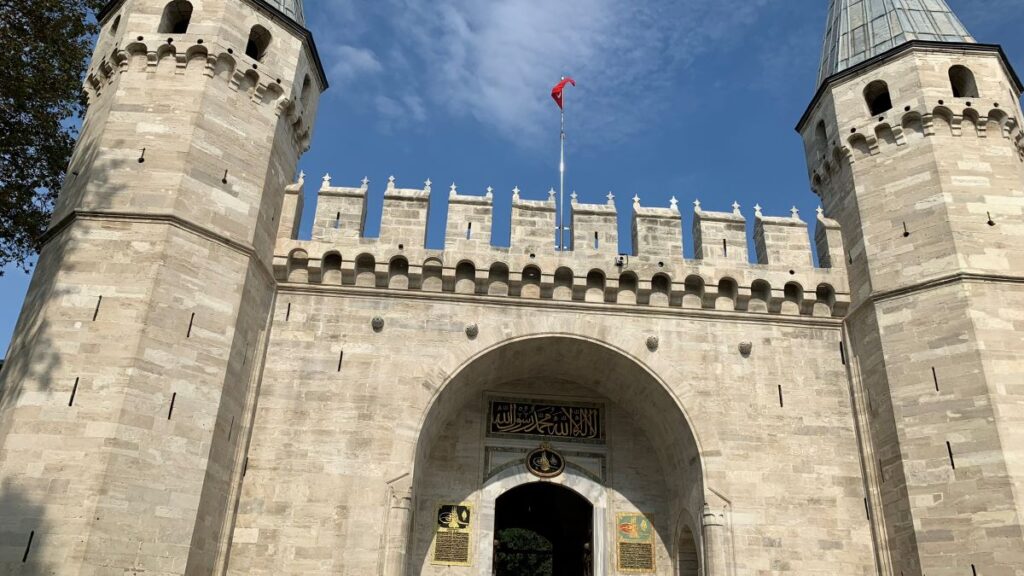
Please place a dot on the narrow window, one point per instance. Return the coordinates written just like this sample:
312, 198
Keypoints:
725, 248
307, 90
935, 378
74, 390
469, 230
961, 79
176, 17
877, 97
949, 449
24, 557
337, 221
170, 410
117, 22
842, 353
782, 403
341, 356
96, 312
596, 241
191, 321
259, 41
288, 312
231, 428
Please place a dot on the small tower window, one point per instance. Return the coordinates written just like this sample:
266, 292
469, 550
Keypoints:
877, 97
177, 15
115, 24
259, 41
307, 89
962, 80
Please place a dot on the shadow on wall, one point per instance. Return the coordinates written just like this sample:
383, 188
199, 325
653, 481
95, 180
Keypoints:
23, 535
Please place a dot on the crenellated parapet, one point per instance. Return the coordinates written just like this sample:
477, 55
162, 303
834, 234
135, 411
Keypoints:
591, 270
720, 236
405, 215
469, 220
781, 241
657, 232
533, 224
595, 227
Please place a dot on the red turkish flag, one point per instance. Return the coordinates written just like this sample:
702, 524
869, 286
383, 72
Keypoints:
556, 92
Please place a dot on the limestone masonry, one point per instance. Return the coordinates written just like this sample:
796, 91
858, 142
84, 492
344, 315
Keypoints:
193, 390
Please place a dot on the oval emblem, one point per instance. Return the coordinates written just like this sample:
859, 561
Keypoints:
545, 462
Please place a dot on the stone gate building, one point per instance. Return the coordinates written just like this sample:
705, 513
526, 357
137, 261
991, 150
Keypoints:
193, 390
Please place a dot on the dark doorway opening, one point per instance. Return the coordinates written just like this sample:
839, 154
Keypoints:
543, 529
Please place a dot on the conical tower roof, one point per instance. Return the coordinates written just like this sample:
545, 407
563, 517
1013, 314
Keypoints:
861, 29
291, 9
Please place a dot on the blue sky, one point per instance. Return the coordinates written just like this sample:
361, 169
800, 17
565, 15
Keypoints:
691, 98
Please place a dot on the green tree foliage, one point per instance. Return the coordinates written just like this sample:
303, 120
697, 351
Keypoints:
44, 46
522, 552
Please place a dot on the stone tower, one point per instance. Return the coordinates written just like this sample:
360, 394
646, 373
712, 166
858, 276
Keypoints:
130, 381
913, 144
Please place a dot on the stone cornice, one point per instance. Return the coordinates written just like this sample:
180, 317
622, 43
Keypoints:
932, 283
625, 310
112, 216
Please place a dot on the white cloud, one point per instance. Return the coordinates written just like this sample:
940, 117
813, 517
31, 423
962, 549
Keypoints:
496, 60
349, 63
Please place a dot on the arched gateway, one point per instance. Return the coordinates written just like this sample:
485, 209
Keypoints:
555, 455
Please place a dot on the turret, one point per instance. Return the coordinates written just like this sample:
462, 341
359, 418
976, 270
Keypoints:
914, 146
130, 379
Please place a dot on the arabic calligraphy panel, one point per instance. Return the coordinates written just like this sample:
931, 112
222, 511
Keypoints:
569, 421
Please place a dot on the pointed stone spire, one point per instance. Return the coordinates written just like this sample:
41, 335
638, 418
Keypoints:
858, 30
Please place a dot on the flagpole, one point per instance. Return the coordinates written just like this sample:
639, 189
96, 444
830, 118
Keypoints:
561, 183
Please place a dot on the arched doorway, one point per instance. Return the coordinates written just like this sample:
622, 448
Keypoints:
642, 462
543, 529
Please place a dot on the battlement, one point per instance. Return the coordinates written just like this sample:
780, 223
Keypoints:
783, 280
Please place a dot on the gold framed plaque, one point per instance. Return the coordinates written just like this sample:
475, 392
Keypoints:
453, 535
635, 550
